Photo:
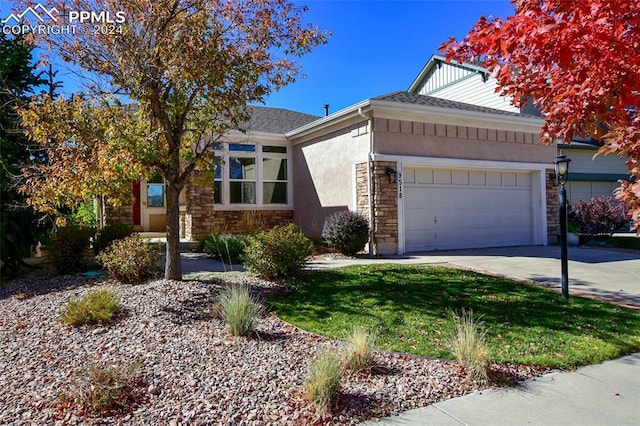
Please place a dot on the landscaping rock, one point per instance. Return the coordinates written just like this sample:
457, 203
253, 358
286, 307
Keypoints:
194, 371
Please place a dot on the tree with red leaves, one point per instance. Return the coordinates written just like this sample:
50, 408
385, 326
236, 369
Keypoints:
579, 61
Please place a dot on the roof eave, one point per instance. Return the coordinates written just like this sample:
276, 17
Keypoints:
329, 120
235, 135
433, 60
437, 114
447, 115
417, 82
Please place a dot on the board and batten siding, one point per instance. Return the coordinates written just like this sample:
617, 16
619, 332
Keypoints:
455, 83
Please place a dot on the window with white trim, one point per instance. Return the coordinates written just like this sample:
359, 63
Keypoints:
251, 175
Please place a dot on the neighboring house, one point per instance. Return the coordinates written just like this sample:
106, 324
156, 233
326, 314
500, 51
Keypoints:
588, 176
429, 174
591, 177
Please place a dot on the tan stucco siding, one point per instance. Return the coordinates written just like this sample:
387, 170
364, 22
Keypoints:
397, 137
324, 175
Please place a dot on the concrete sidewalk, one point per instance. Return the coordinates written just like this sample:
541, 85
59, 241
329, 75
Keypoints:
604, 394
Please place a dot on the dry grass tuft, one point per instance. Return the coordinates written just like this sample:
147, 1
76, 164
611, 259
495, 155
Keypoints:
470, 347
359, 355
322, 384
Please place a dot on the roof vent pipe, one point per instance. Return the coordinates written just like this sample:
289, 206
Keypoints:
326, 110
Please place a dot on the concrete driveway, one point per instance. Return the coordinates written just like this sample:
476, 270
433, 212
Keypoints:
603, 273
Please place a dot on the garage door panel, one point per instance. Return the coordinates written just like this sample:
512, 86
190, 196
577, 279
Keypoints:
466, 209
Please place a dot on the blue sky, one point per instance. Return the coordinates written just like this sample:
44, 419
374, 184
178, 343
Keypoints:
378, 46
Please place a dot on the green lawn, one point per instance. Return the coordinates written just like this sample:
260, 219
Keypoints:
411, 306
624, 242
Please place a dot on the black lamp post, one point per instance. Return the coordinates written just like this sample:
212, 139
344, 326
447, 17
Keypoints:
562, 171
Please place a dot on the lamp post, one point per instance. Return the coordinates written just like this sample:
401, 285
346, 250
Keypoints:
562, 171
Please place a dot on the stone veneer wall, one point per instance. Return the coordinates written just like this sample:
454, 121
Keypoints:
200, 217
362, 192
553, 208
123, 214
385, 205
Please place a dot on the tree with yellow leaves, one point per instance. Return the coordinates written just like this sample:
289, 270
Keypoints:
189, 66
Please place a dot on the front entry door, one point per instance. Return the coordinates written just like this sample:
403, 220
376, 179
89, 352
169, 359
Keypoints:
154, 210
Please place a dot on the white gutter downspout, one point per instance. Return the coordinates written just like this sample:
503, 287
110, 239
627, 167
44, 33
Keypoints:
372, 248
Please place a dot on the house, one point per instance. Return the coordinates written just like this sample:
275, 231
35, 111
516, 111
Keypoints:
589, 175
447, 164
429, 173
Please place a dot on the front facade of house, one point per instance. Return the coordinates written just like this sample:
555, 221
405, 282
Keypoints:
429, 174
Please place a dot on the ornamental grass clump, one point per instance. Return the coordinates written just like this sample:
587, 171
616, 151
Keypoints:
228, 248
238, 309
322, 384
359, 355
97, 306
470, 347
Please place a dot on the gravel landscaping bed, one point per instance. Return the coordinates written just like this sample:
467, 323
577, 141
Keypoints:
194, 372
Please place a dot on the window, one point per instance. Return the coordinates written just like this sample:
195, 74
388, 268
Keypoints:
251, 174
217, 180
155, 192
278, 149
242, 147
242, 180
274, 177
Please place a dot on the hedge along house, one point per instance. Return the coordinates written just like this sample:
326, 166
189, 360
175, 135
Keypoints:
429, 174
590, 175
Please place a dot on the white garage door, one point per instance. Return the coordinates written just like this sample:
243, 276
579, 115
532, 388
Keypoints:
454, 208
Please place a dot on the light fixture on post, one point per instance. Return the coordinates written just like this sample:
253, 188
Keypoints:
392, 174
561, 164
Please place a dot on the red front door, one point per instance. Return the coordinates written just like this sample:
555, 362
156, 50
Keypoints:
136, 203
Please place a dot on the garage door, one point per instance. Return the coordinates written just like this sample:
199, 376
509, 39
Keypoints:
453, 208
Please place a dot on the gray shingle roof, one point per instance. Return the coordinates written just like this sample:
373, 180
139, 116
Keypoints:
415, 99
276, 120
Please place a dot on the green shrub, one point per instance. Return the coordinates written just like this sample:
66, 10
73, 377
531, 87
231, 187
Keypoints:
110, 233
359, 355
97, 306
278, 253
132, 260
105, 391
347, 231
469, 346
66, 248
83, 215
322, 383
238, 309
227, 248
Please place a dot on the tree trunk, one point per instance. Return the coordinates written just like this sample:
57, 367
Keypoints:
173, 264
